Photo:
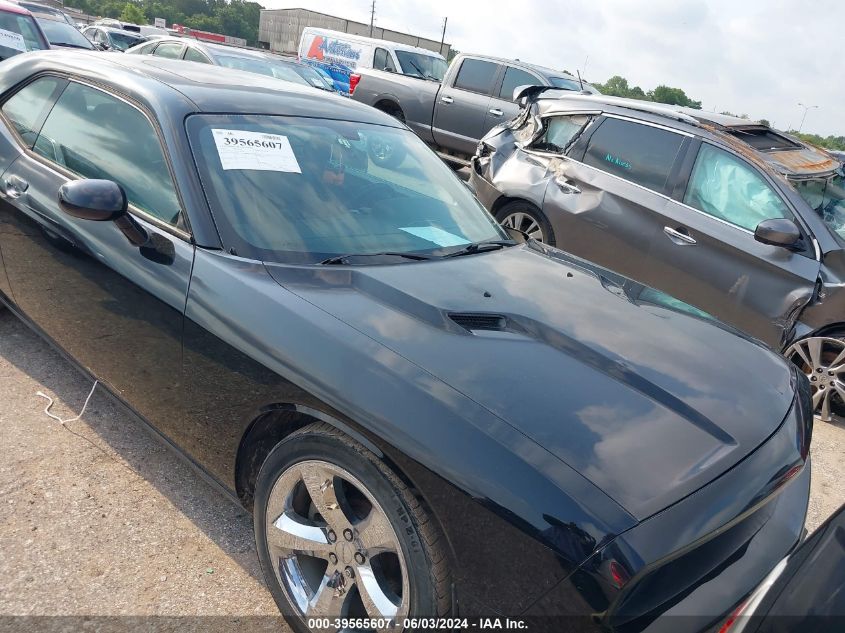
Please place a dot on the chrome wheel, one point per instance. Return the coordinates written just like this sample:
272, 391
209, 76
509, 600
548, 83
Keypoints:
525, 223
333, 549
822, 359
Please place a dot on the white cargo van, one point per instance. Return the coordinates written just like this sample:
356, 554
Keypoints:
340, 54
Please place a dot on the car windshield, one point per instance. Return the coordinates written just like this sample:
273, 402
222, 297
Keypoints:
278, 70
301, 190
827, 197
314, 78
63, 34
21, 34
421, 65
122, 41
572, 84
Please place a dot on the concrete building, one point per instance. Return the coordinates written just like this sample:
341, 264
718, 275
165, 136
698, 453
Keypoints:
280, 30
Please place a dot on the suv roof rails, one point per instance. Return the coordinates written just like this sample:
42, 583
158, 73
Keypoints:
648, 107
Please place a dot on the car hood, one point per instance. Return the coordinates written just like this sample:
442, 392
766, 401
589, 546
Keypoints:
647, 402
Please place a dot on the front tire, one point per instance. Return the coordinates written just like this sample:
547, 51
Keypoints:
340, 535
822, 359
525, 217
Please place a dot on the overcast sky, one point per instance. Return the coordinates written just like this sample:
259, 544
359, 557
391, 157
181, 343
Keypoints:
754, 57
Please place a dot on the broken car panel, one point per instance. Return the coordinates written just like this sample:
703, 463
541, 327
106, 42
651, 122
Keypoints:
732, 217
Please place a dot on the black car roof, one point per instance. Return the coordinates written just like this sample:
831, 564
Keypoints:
761, 144
207, 88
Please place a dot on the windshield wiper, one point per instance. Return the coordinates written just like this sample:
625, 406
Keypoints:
344, 259
482, 247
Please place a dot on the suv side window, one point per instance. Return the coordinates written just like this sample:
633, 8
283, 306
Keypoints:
28, 105
730, 189
514, 78
96, 135
560, 132
383, 61
639, 153
476, 75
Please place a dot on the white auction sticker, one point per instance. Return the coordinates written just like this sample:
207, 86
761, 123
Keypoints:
10, 39
239, 149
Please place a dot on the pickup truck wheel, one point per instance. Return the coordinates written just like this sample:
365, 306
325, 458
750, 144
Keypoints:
525, 217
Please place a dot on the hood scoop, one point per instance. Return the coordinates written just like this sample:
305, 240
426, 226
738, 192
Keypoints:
480, 321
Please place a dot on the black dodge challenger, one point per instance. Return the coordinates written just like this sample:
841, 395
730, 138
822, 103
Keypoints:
428, 416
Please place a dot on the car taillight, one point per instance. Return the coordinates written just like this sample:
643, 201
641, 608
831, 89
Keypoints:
353, 82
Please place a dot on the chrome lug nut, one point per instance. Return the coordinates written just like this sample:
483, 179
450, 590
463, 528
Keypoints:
332, 536
347, 534
333, 558
349, 572
359, 558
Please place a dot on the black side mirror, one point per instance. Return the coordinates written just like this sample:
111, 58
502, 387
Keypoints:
778, 232
99, 200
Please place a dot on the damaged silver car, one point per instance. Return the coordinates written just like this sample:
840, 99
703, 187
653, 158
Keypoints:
730, 216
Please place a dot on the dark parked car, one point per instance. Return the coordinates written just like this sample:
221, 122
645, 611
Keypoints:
243, 59
19, 32
732, 217
425, 416
60, 34
110, 38
804, 593
45, 9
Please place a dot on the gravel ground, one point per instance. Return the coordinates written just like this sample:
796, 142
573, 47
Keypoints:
97, 518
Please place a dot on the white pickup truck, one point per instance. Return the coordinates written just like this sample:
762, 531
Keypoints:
474, 96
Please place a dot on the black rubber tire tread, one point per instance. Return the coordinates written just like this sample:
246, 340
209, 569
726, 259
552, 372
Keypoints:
524, 206
434, 543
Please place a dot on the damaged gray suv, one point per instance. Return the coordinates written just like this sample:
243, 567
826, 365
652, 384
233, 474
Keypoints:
740, 221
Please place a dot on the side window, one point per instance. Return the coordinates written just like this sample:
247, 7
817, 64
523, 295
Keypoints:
640, 153
560, 131
383, 61
26, 107
514, 78
170, 50
193, 55
730, 189
146, 49
100, 37
476, 76
96, 135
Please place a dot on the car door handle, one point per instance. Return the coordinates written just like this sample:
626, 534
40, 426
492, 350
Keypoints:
679, 236
15, 186
566, 186
446, 99
495, 112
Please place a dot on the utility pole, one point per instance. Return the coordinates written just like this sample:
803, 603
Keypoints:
806, 107
443, 37
372, 16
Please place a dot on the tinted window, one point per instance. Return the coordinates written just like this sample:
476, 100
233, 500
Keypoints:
171, 50
514, 78
639, 153
98, 136
22, 35
63, 33
383, 61
193, 55
343, 187
476, 75
421, 65
560, 131
730, 189
25, 108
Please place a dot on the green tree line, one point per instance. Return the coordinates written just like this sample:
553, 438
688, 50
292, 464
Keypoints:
618, 86
237, 18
